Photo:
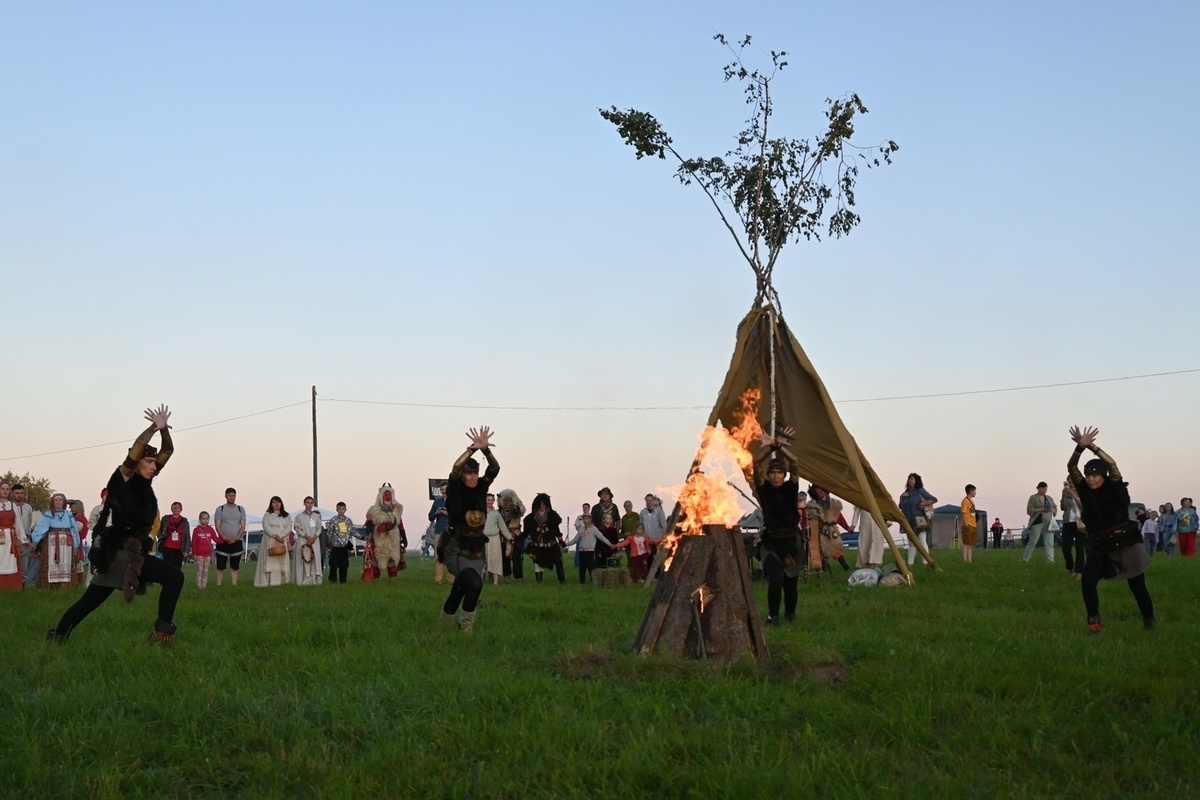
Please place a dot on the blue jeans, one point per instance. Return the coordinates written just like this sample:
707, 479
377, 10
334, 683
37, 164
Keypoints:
1037, 532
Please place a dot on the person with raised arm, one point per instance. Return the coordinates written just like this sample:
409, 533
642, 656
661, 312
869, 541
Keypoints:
129, 513
778, 497
1114, 542
464, 543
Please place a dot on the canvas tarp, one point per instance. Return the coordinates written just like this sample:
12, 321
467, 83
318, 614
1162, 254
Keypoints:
827, 454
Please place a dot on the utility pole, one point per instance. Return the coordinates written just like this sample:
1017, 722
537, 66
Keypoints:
314, 415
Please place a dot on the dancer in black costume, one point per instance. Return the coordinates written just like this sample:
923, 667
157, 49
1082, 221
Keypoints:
1114, 543
778, 496
123, 562
462, 545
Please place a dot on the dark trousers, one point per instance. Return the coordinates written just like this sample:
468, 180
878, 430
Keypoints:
779, 587
1092, 574
1074, 553
467, 586
339, 563
517, 561
154, 570
996, 538
587, 564
638, 567
173, 557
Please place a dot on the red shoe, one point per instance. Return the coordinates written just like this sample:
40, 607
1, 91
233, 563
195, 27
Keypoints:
1094, 625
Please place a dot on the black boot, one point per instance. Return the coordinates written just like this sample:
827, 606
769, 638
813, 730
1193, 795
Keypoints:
1148, 623
54, 636
538, 575
163, 633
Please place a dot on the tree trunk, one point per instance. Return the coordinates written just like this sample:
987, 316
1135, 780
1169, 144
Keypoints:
703, 606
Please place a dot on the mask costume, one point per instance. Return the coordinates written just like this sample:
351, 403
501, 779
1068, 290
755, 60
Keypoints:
542, 536
499, 538
823, 518
129, 515
386, 532
463, 544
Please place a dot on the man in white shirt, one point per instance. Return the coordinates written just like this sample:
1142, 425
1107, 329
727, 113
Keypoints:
31, 562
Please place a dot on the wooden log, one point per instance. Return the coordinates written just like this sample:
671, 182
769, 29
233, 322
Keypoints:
703, 606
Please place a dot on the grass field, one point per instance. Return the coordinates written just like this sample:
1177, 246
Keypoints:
978, 682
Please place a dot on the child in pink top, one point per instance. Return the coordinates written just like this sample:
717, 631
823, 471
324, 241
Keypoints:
203, 538
639, 552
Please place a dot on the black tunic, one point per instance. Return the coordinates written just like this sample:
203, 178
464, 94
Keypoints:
780, 506
1105, 513
542, 538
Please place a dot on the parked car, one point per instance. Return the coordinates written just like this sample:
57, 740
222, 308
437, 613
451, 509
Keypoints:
251, 541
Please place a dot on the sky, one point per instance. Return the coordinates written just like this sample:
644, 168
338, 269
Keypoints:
419, 211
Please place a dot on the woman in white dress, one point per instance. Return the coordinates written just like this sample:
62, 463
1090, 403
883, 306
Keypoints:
274, 567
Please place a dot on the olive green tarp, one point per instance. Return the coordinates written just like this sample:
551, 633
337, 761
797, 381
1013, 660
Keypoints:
827, 454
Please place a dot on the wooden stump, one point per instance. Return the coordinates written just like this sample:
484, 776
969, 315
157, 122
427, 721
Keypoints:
703, 606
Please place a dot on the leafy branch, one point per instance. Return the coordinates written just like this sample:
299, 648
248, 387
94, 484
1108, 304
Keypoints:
776, 189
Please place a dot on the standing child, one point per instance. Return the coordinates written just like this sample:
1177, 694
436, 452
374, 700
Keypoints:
204, 539
639, 552
588, 539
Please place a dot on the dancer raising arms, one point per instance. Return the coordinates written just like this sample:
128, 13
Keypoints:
1114, 549
129, 512
464, 542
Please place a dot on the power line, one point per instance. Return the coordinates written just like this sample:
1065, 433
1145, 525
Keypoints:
177, 430
925, 396
705, 408
1020, 388
513, 408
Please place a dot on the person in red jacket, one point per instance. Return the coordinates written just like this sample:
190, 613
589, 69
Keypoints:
204, 540
638, 545
174, 536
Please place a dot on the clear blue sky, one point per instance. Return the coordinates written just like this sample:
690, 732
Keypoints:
219, 206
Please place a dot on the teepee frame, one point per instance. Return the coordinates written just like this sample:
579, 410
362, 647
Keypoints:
768, 357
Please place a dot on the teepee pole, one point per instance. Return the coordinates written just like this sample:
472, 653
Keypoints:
771, 336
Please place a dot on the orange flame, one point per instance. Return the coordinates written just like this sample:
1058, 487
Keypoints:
708, 497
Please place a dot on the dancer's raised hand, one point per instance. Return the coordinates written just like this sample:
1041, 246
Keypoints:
1085, 437
480, 437
159, 417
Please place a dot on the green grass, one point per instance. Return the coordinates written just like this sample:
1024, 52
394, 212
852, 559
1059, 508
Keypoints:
980, 681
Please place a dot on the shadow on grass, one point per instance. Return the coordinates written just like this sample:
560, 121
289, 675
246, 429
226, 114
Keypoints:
788, 665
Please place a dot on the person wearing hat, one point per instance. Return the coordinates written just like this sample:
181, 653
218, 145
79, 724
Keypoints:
464, 543
1042, 510
778, 497
606, 508
1114, 549
130, 512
